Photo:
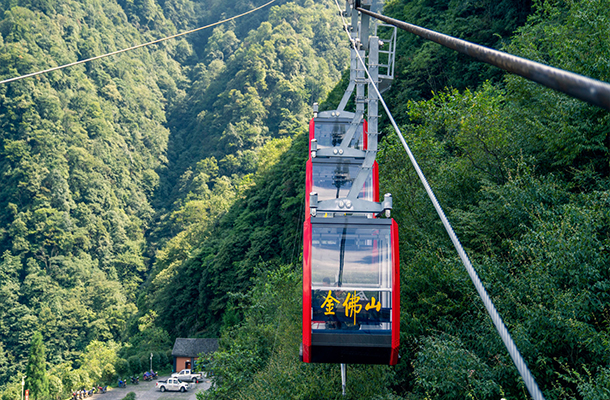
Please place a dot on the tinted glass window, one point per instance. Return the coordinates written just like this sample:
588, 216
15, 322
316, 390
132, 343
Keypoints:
330, 133
351, 256
332, 181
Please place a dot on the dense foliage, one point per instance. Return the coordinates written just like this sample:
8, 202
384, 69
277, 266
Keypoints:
115, 171
79, 149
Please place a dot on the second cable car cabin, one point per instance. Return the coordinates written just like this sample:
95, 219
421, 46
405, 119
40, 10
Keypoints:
332, 177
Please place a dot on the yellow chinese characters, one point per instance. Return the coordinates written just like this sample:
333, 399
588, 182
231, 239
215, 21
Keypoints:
351, 305
328, 303
373, 304
352, 308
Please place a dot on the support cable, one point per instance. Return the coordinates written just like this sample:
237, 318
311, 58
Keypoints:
137, 46
510, 345
581, 87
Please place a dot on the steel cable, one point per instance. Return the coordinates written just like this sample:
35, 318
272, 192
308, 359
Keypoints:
578, 86
510, 345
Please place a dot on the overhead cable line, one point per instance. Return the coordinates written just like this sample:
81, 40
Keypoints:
510, 345
581, 87
137, 46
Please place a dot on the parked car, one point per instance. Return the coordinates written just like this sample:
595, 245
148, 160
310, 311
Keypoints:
186, 375
172, 384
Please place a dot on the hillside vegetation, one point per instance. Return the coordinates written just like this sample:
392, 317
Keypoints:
113, 170
79, 154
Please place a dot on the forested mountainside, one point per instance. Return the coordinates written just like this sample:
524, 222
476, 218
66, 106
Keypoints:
80, 152
159, 193
105, 164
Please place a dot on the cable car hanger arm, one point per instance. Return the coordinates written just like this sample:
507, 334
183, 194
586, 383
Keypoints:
351, 131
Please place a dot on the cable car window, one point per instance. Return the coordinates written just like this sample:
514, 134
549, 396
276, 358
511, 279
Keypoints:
333, 181
351, 256
330, 133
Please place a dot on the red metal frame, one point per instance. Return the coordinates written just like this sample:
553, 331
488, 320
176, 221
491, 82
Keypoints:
375, 182
307, 290
308, 184
395, 294
312, 134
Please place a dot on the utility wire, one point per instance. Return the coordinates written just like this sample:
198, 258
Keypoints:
525, 373
137, 46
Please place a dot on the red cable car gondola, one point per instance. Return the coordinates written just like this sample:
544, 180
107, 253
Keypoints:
351, 294
351, 300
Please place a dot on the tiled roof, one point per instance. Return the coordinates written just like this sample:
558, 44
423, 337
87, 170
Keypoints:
184, 347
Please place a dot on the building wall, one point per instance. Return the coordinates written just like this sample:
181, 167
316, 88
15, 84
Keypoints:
181, 363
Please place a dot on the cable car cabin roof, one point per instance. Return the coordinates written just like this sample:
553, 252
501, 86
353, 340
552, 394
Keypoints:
329, 131
351, 300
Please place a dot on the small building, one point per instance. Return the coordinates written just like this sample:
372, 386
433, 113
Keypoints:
187, 350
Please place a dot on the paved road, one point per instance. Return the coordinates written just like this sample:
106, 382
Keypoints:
147, 391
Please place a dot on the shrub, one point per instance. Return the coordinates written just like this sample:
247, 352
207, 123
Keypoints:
135, 365
155, 360
130, 396
163, 361
170, 359
121, 367
108, 373
145, 362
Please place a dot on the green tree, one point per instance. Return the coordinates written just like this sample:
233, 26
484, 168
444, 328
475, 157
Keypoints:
96, 359
135, 366
164, 362
37, 380
121, 367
